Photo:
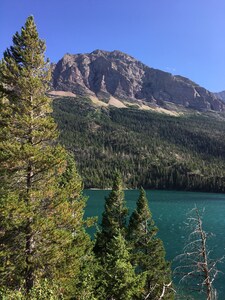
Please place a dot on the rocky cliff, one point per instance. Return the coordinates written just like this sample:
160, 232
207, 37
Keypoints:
220, 95
115, 74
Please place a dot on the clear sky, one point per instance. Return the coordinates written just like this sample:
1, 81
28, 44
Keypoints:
185, 37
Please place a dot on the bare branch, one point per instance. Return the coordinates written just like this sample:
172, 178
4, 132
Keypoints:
196, 261
165, 287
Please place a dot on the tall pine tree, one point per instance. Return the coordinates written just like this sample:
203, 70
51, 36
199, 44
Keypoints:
114, 218
148, 251
41, 203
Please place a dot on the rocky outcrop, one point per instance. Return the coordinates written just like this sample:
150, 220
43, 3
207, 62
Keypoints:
220, 95
104, 74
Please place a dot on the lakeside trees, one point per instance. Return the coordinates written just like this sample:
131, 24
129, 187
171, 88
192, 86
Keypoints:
132, 250
148, 253
114, 218
117, 278
44, 249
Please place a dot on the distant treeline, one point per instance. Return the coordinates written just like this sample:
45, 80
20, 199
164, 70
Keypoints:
149, 149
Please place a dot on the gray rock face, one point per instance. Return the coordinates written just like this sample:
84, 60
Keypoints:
220, 95
104, 74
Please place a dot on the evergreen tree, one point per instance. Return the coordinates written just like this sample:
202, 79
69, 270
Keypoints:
41, 202
113, 218
86, 283
118, 279
148, 251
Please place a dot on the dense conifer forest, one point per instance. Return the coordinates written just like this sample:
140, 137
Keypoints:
149, 149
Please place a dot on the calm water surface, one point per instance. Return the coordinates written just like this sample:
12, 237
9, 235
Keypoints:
169, 210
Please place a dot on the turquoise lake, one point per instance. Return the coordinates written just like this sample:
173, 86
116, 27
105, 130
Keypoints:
170, 210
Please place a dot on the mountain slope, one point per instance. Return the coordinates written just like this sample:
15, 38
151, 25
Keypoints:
220, 95
115, 74
150, 149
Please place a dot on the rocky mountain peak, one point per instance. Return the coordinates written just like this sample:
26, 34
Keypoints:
105, 74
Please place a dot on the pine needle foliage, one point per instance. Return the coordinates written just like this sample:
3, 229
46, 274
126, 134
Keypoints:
118, 278
148, 252
114, 218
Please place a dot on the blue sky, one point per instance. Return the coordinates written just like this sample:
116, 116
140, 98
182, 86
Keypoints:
185, 37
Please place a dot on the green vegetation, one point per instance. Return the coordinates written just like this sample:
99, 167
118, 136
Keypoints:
113, 219
45, 252
42, 236
131, 259
148, 253
149, 149
117, 277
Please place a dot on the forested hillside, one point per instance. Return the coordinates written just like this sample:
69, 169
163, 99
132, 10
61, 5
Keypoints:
149, 149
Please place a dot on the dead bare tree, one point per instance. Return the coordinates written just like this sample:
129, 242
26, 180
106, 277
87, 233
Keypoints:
197, 270
166, 287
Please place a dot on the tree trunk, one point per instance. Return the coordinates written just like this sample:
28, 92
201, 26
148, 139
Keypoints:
29, 272
205, 259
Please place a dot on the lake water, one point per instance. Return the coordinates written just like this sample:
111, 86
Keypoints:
169, 210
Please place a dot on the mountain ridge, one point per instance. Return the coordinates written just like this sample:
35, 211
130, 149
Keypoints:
104, 74
221, 95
